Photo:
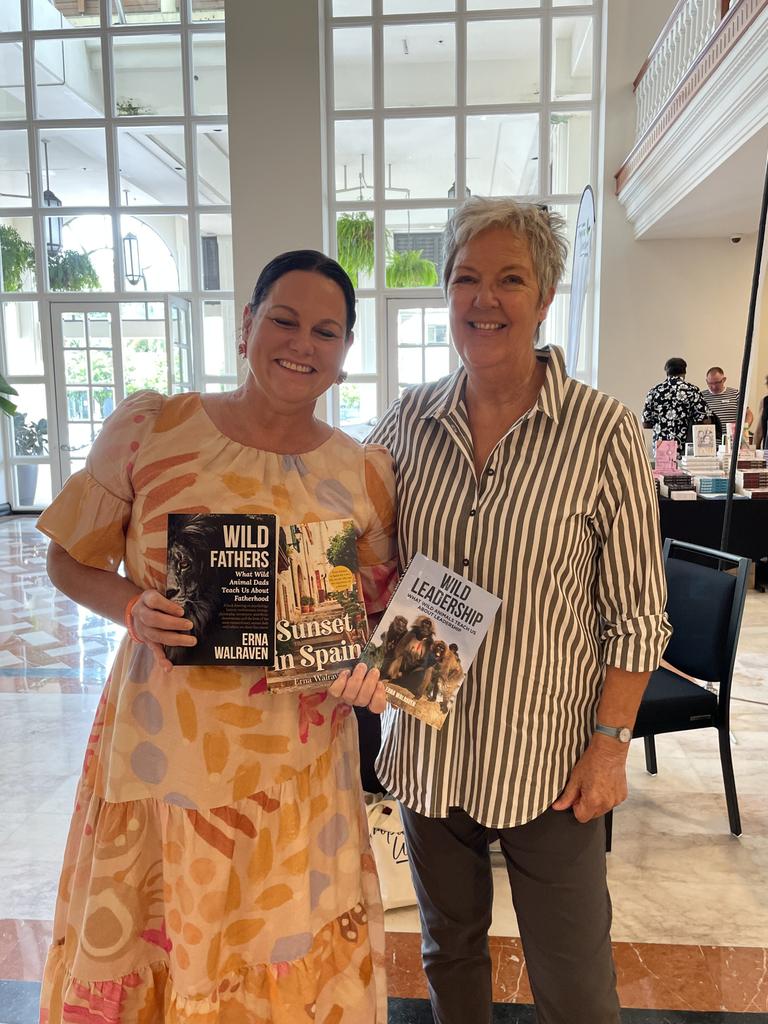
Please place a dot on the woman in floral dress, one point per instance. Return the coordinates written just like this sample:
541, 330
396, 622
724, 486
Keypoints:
218, 869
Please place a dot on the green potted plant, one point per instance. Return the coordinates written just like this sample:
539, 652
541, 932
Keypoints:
6, 405
354, 242
31, 438
16, 257
71, 271
410, 269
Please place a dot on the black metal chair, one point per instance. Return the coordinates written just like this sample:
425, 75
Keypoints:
705, 605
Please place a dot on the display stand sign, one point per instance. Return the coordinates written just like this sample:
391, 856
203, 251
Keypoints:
580, 276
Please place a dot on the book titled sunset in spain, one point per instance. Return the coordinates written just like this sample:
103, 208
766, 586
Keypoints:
321, 625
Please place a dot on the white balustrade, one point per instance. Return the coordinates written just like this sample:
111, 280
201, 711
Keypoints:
692, 24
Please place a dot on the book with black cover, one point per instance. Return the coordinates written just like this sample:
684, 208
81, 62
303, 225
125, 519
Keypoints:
222, 569
321, 621
428, 637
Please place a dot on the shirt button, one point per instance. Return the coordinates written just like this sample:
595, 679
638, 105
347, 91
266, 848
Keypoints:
472, 511
466, 561
491, 472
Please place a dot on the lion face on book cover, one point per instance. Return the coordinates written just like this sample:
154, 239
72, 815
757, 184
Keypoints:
191, 580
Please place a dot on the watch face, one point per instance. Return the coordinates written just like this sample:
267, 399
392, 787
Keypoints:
625, 735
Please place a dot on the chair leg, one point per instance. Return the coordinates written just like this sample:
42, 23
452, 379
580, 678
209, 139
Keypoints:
650, 755
726, 762
608, 831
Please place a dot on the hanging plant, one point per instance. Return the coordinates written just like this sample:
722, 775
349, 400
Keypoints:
16, 257
129, 107
409, 269
6, 405
354, 239
71, 271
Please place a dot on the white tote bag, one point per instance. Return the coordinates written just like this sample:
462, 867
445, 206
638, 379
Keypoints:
388, 844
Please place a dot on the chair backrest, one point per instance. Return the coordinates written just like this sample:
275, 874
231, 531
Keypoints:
705, 606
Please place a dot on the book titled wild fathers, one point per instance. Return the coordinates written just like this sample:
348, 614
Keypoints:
428, 638
222, 569
284, 597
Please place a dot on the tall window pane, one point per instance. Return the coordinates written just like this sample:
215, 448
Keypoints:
76, 165
570, 151
14, 169
153, 165
17, 254
155, 252
219, 338
68, 81
216, 252
503, 61
209, 73
148, 78
10, 16
84, 261
572, 58
415, 248
13, 105
419, 65
23, 345
354, 160
420, 157
352, 68
503, 154
213, 164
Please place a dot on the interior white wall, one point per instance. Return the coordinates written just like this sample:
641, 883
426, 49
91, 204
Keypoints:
275, 129
657, 298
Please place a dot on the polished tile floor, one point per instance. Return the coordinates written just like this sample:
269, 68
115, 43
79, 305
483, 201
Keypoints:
690, 900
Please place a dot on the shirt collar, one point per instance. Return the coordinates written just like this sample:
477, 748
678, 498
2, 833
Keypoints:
449, 392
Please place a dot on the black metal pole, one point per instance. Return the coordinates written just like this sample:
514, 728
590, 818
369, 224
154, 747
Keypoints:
726, 535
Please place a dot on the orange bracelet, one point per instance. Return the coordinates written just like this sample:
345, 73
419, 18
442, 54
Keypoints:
129, 619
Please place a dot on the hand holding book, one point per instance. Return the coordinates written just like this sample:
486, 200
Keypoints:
361, 687
159, 623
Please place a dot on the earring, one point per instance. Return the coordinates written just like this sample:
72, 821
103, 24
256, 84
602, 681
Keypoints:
241, 351
342, 377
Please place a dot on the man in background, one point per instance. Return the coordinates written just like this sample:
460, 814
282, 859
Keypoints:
672, 407
721, 401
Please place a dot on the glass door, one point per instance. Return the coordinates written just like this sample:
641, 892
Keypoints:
88, 375
180, 340
418, 343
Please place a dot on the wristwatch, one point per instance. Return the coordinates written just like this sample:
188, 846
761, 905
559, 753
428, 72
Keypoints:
620, 732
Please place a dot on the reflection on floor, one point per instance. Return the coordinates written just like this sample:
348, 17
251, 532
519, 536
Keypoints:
690, 900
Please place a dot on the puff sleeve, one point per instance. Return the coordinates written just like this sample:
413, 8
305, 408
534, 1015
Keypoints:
90, 515
377, 545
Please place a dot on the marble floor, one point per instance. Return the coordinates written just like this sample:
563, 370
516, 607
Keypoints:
690, 900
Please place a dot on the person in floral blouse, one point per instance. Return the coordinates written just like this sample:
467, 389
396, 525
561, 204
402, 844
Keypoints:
672, 407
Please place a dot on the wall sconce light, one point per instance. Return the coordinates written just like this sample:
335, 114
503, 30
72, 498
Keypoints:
131, 259
53, 225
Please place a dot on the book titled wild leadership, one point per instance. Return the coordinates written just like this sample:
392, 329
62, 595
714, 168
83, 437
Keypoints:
222, 569
428, 638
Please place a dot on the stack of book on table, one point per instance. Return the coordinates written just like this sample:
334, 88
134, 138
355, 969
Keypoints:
753, 483
678, 487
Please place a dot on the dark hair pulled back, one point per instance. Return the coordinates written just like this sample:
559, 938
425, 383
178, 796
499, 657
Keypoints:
305, 259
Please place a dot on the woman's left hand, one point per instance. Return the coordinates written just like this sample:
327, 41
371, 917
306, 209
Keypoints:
362, 687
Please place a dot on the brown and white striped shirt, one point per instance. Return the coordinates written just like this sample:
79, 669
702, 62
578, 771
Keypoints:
563, 526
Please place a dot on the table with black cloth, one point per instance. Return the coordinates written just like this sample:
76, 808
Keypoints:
701, 522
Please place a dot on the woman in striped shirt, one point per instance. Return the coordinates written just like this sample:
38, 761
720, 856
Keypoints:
537, 488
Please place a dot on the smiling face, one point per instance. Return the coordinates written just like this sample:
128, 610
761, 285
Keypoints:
297, 338
494, 302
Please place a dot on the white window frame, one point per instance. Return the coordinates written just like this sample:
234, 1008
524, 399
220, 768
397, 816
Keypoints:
378, 113
186, 28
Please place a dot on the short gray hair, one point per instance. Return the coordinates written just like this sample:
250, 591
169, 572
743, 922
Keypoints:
543, 230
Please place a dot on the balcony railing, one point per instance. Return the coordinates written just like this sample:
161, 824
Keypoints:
685, 35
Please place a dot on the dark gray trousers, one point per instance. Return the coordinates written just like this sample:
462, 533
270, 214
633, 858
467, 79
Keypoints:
556, 868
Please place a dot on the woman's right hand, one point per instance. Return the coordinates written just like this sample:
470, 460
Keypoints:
160, 623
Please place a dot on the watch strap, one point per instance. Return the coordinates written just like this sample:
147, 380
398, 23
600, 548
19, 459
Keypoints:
617, 732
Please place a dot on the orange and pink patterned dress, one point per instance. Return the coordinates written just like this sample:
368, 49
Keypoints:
218, 869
